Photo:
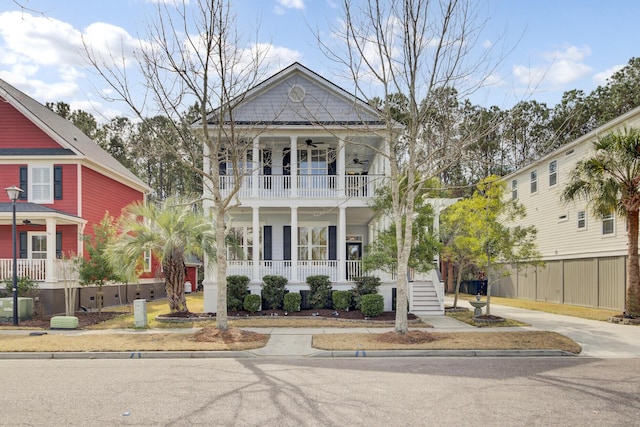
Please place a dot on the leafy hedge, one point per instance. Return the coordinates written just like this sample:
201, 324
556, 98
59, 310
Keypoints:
364, 285
237, 289
252, 303
273, 290
341, 300
319, 291
372, 305
292, 301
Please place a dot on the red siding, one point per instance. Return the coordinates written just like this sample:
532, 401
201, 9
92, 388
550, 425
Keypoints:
17, 131
69, 239
9, 175
101, 194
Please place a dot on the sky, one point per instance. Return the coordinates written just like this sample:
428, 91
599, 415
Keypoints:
547, 46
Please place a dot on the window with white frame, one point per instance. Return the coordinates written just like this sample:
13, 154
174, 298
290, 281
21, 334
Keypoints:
37, 246
41, 184
514, 189
608, 224
582, 220
313, 243
240, 243
534, 181
553, 173
146, 261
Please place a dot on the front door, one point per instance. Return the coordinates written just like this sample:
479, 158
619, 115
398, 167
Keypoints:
354, 256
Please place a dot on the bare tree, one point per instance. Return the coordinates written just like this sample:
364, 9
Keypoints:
415, 48
193, 54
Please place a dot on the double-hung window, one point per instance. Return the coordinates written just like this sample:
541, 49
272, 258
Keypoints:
514, 189
553, 173
582, 220
534, 181
41, 184
608, 224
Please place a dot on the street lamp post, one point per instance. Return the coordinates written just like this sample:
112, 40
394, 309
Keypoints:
14, 192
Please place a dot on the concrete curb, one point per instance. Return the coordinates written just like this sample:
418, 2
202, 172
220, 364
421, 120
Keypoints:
249, 355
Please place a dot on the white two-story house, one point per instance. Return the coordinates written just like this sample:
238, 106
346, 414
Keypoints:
304, 206
584, 255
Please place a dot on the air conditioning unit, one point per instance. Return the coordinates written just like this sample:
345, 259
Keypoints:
25, 308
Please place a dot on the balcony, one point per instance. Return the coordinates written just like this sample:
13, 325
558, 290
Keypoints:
307, 186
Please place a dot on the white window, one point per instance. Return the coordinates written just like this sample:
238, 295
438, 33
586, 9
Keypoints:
37, 246
146, 260
534, 181
553, 173
240, 243
608, 224
514, 189
313, 243
41, 184
582, 220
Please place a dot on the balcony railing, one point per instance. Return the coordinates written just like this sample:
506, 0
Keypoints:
307, 186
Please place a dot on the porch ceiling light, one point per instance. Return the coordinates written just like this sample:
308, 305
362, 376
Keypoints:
13, 192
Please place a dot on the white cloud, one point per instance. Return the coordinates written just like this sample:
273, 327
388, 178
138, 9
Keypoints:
559, 69
291, 4
600, 79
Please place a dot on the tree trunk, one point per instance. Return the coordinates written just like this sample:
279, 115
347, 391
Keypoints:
173, 267
633, 266
449, 275
457, 290
220, 274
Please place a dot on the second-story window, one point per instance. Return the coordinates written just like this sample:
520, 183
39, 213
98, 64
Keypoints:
514, 189
608, 224
41, 184
582, 220
534, 181
553, 173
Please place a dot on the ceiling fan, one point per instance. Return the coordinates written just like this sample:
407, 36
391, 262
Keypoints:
357, 161
310, 143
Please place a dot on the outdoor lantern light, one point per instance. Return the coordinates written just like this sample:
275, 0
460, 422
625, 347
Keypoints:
14, 192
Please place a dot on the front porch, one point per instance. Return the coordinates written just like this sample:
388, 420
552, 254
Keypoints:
298, 271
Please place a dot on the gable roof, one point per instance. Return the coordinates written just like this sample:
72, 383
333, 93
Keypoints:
270, 102
66, 134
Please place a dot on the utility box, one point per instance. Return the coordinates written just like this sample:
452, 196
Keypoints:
140, 313
25, 308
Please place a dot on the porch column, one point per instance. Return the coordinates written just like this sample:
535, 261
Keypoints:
294, 245
255, 167
340, 165
342, 244
293, 167
256, 245
51, 275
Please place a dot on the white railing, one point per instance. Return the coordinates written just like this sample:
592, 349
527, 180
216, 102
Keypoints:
308, 186
318, 268
239, 268
354, 269
275, 268
35, 269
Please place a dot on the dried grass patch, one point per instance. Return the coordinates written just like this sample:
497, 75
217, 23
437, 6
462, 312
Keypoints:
420, 340
132, 342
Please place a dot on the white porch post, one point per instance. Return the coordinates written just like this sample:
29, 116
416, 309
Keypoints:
340, 165
51, 273
255, 167
293, 167
342, 244
294, 245
256, 244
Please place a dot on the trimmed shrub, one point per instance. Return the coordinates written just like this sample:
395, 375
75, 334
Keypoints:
319, 291
292, 301
273, 290
237, 289
365, 285
252, 303
372, 305
25, 286
341, 300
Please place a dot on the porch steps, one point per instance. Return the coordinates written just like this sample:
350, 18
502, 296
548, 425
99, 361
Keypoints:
425, 299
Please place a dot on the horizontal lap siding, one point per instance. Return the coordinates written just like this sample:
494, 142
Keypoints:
9, 175
69, 201
16, 131
101, 194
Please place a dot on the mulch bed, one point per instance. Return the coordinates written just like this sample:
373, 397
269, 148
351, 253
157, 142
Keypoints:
85, 318
321, 312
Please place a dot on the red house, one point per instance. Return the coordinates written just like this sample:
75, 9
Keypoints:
69, 182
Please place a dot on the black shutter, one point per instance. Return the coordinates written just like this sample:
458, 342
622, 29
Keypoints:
57, 182
23, 245
333, 242
24, 182
287, 242
59, 245
332, 162
266, 250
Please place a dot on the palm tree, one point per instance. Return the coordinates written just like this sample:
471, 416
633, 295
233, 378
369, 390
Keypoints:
609, 180
170, 231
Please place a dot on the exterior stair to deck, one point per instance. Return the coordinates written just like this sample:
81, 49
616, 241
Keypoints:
424, 299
